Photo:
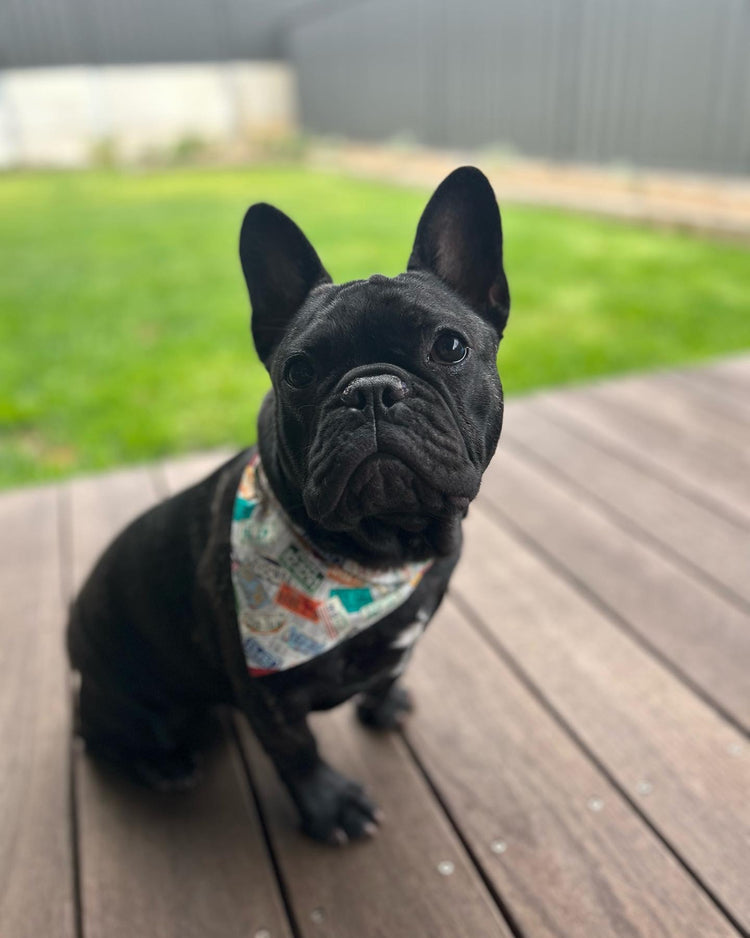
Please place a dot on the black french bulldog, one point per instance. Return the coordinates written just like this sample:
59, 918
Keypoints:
385, 410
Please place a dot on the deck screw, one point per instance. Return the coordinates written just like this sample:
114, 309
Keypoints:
445, 868
318, 916
734, 749
263, 933
595, 804
498, 846
644, 787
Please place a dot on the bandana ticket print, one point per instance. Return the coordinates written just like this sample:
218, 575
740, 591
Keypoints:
292, 602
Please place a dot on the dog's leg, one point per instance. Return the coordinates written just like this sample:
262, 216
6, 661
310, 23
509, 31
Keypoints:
148, 745
332, 808
385, 706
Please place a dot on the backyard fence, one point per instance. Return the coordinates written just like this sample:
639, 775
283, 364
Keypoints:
663, 83
650, 82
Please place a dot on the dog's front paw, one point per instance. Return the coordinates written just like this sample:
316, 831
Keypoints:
386, 712
332, 808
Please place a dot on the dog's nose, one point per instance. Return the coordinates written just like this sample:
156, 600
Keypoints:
378, 392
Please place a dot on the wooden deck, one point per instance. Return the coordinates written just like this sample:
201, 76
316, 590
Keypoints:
578, 765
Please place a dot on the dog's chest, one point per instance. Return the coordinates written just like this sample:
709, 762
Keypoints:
294, 605
378, 655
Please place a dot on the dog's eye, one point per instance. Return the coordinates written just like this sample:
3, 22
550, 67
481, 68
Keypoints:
299, 372
449, 348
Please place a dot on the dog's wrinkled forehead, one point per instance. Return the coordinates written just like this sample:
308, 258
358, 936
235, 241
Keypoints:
376, 318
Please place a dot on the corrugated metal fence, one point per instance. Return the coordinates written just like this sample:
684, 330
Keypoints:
662, 83
107, 32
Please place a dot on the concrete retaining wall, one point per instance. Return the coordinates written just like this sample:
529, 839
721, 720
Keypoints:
64, 116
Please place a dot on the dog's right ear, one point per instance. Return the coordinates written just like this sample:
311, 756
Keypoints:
460, 238
281, 268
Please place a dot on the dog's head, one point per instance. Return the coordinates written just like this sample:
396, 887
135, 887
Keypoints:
386, 405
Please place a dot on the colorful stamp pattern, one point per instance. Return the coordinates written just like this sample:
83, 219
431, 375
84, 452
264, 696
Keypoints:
293, 603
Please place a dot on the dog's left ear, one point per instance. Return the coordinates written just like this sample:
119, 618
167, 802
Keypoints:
460, 239
281, 268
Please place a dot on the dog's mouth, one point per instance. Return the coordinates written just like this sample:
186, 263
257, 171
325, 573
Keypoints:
388, 513
393, 482
385, 490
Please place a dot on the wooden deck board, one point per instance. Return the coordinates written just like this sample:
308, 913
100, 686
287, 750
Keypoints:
712, 470
578, 701
663, 515
699, 632
36, 862
636, 718
731, 404
575, 859
732, 375
192, 865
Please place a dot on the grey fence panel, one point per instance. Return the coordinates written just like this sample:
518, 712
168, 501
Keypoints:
643, 82
50, 31
68, 32
731, 115
185, 33
361, 72
663, 83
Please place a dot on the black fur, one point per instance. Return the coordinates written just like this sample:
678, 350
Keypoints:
377, 457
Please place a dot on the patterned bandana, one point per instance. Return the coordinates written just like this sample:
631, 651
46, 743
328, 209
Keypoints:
292, 602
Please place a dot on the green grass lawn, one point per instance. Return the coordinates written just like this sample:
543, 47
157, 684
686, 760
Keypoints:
124, 319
